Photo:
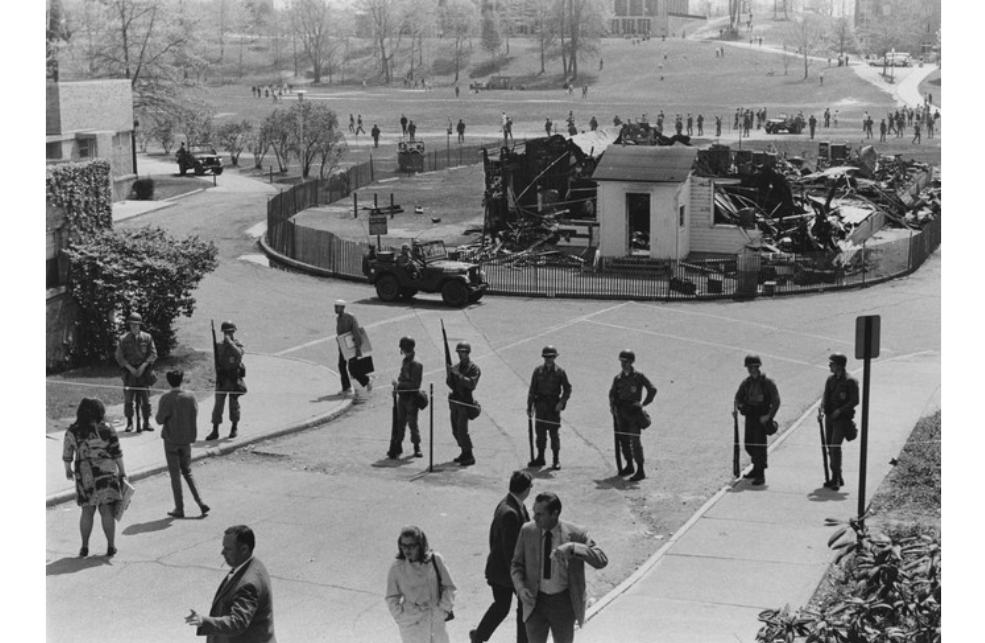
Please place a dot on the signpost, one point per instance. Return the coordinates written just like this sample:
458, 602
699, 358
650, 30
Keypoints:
377, 226
866, 347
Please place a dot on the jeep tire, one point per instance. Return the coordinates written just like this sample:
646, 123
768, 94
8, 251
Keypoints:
455, 293
388, 288
408, 293
199, 170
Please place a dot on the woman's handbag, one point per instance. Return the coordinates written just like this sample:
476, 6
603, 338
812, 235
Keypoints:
441, 587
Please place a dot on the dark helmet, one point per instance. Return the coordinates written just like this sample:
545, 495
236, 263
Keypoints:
549, 351
839, 358
135, 317
228, 325
753, 360
463, 347
407, 344
627, 355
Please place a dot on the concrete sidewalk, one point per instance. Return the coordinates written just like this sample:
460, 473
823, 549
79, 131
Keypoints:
749, 549
285, 395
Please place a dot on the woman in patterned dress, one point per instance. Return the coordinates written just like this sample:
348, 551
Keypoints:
91, 445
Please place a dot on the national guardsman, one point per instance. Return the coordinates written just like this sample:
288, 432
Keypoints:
548, 395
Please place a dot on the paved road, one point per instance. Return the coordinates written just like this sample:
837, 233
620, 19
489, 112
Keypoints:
327, 507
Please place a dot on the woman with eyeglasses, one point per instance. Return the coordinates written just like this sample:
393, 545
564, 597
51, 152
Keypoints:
419, 590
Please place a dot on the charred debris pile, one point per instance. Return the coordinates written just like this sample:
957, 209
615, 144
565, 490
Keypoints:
800, 208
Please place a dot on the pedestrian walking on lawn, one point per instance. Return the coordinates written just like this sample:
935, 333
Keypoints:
177, 414
375, 133
403, 125
838, 412
460, 128
407, 390
411, 130
626, 404
548, 395
359, 125
916, 133
228, 380
136, 354
462, 379
758, 400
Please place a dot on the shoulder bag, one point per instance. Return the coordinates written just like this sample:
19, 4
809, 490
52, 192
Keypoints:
441, 586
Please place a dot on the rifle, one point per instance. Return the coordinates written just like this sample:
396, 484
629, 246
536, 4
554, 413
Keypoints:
530, 436
615, 434
824, 449
735, 447
444, 336
215, 348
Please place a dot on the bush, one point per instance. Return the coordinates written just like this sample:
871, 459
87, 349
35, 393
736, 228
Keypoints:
84, 192
146, 271
143, 189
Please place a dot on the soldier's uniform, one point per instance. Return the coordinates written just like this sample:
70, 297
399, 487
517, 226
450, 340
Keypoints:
462, 379
407, 389
625, 397
228, 380
757, 397
840, 399
136, 350
549, 389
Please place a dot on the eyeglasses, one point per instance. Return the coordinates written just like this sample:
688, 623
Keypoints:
408, 545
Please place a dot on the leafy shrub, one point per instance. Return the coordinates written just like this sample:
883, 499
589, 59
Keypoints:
143, 189
84, 192
146, 271
890, 591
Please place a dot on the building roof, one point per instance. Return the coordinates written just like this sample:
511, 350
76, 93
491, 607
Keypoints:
646, 164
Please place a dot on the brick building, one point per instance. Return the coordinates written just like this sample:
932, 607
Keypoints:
91, 119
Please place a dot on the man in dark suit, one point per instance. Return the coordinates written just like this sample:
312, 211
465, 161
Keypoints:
243, 609
503, 533
548, 572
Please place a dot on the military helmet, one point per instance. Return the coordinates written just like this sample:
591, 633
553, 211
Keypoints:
463, 347
549, 351
135, 317
753, 360
839, 358
627, 355
407, 344
228, 325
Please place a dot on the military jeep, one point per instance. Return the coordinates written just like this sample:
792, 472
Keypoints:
199, 159
785, 123
431, 271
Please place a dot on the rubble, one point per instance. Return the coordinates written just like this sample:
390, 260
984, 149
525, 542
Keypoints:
801, 209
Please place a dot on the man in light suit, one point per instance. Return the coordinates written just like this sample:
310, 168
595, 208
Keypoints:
243, 609
548, 572
503, 533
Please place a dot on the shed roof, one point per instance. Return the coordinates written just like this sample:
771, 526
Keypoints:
646, 164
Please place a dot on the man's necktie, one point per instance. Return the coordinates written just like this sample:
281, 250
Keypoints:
547, 554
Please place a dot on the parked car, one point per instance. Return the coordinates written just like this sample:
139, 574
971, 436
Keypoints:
459, 282
199, 159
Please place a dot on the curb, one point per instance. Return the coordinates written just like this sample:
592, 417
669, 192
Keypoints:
224, 449
651, 562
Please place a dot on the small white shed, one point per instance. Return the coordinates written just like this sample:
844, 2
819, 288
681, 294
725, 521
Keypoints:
644, 201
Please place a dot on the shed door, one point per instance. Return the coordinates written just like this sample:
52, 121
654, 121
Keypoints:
638, 222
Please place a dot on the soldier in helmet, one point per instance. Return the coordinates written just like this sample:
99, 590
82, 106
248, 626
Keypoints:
228, 380
758, 400
626, 403
136, 354
838, 410
407, 387
462, 379
548, 395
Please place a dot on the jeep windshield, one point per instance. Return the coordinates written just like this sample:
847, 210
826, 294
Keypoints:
431, 251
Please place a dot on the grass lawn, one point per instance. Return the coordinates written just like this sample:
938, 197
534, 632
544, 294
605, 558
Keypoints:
63, 391
676, 76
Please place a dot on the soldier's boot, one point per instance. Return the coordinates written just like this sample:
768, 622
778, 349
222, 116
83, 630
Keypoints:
215, 433
640, 473
233, 429
557, 461
467, 459
539, 460
417, 450
139, 427
147, 426
628, 469
129, 425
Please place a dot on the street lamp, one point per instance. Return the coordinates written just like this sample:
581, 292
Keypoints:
301, 94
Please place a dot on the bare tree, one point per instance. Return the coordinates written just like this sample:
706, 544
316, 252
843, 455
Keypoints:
459, 20
546, 30
145, 41
809, 36
585, 20
842, 34
420, 22
313, 24
386, 23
